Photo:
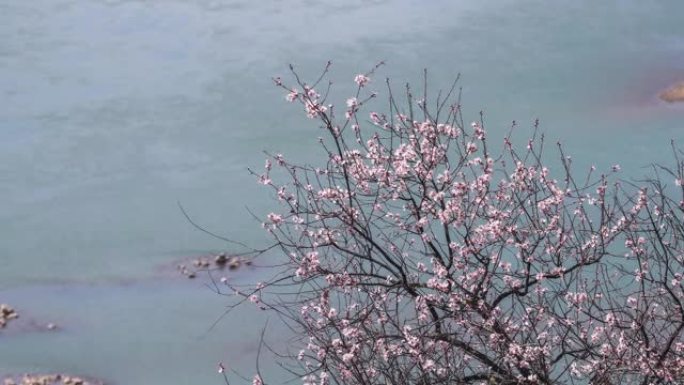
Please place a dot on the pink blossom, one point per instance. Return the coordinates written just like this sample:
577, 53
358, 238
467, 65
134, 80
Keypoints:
276, 219
292, 96
361, 80
257, 380
348, 357
265, 180
632, 302
471, 148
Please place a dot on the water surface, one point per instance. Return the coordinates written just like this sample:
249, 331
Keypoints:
113, 111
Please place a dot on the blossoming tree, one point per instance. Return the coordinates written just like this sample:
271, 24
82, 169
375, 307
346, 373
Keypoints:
416, 253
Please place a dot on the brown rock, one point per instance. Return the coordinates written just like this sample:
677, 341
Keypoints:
7, 314
674, 93
221, 259
234, 263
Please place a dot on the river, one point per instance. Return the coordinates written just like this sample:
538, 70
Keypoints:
113, 111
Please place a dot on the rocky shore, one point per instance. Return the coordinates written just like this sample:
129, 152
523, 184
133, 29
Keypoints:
49, 379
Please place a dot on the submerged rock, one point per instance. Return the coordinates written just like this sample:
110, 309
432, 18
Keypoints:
674, 93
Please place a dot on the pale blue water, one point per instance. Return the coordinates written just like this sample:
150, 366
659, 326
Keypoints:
112, 111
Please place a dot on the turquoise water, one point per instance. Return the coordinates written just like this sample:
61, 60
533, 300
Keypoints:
113, 111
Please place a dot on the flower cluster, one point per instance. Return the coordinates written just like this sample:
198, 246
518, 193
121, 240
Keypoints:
421, 255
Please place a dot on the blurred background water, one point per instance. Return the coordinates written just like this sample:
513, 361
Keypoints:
113, 111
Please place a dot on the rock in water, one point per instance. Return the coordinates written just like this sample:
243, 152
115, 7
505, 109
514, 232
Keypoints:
221, 260
7, 314
674, 93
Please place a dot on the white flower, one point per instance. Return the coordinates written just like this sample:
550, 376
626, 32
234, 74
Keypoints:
347, 357
361, 80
